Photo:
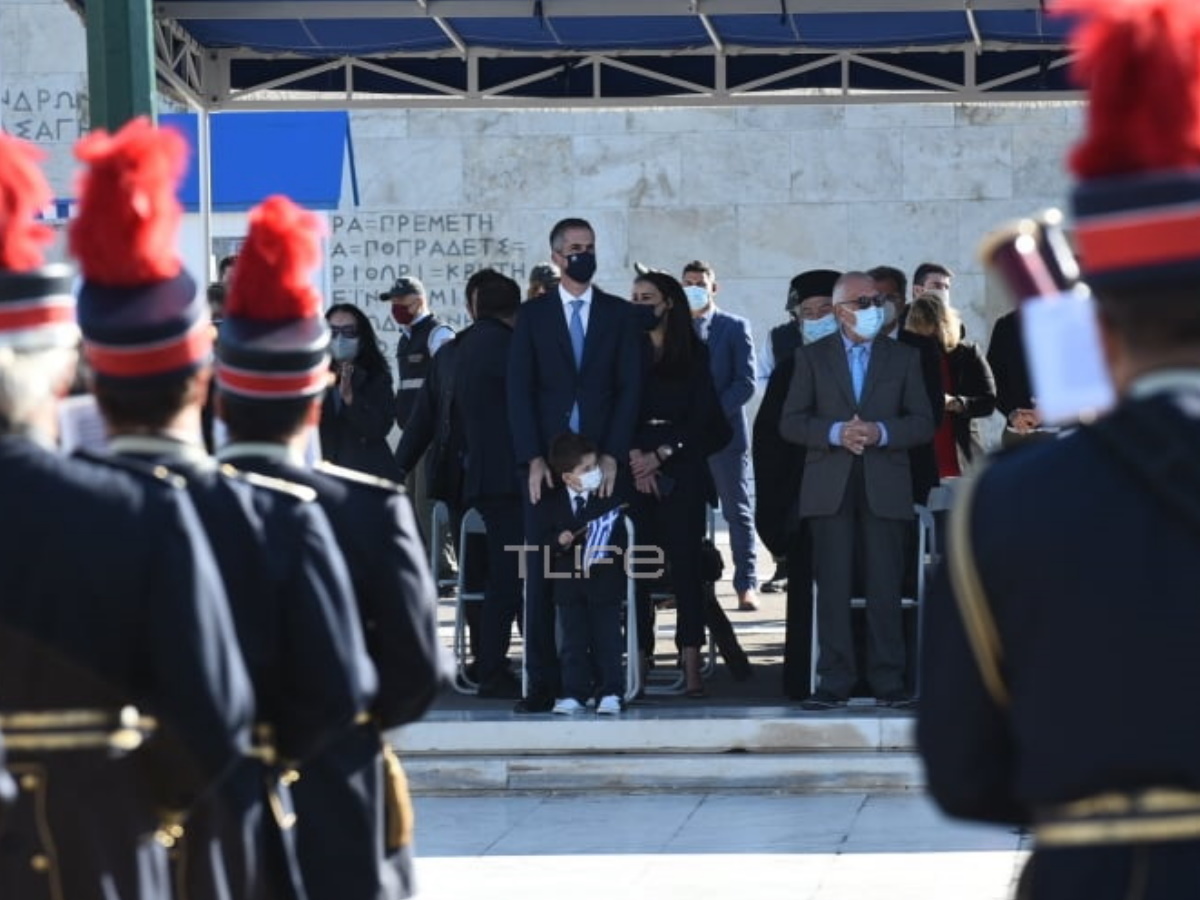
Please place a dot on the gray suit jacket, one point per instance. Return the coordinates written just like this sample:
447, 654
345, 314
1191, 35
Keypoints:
821, 394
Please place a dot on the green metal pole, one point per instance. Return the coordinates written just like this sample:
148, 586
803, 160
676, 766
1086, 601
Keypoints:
121, 78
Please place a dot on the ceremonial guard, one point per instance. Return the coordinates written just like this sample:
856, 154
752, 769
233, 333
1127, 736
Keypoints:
122, 695
1060, 662
355, 821
147, 335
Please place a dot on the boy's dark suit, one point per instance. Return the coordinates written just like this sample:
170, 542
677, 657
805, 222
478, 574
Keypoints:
544, 385
588, 601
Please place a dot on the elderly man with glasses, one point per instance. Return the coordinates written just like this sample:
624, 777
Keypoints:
857, 404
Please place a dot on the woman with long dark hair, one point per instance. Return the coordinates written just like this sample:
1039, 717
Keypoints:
357, 413
680, 424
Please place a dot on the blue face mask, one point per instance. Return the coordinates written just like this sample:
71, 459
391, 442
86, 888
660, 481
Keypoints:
867, 322
815, 329
697, 297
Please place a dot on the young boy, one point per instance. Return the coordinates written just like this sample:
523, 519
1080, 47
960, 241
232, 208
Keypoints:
587, 583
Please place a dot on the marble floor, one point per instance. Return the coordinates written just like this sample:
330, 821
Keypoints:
756, 846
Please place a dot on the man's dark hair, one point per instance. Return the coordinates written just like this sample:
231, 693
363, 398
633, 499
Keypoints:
562, 226
497, 298
925, 269
892, 274
1167, 320
152, 404
263, 421
216, 300
568, 450
225, 264
700, 266
476, 281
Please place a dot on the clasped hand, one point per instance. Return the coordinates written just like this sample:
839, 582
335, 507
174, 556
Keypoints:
858, 435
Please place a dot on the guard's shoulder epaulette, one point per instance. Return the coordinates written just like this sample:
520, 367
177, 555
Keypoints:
151, 471
300, 492
357, 477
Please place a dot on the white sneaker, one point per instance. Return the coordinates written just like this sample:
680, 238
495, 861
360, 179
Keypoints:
567, 706
609, 706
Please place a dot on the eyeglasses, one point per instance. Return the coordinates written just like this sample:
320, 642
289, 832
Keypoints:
350, 331
864, 302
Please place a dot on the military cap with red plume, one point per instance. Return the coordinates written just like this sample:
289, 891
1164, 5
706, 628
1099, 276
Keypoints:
274, 342
139, 310
37, 309
1137, 205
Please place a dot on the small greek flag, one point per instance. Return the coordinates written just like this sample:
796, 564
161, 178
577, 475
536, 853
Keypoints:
599, 531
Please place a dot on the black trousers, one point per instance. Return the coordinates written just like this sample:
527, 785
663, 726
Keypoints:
797, 639
675, 524
502, 594
589, 616
541, 649
880, 542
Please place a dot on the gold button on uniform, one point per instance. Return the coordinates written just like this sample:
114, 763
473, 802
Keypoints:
39, 862
30, 782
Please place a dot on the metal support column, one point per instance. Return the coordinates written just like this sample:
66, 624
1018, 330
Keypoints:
121, 82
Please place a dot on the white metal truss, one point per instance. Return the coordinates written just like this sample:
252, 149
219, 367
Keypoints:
204, 76
396, 87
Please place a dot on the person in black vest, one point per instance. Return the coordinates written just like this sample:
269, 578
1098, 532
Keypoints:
778, 470
354, 828
290, 596
422, 335
1069, 555
123, 697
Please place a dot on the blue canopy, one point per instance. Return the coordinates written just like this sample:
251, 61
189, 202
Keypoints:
493, 52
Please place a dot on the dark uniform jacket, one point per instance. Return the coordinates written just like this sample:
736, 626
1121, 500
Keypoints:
340, 797
1090, 572
109, 595
355, 435
297, 624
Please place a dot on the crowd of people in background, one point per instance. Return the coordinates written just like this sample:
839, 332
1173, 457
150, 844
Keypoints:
658, 379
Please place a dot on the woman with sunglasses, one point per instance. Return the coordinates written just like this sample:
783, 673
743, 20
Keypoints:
357, 413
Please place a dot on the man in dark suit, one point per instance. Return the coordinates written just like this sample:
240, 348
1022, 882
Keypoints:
731, 358
857, 404
492, 483
575, 366
1014, 393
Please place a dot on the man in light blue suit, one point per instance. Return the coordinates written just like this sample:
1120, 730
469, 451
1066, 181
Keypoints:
731, 353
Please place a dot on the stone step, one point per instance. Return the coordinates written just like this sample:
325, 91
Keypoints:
763, 748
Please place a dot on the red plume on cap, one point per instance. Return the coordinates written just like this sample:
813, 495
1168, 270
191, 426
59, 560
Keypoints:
1140, 60
23, 193
129, 216
271, 279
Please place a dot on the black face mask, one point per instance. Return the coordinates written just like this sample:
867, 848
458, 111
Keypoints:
581, 266
645, 316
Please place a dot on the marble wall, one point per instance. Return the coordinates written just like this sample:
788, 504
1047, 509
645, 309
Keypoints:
761, 192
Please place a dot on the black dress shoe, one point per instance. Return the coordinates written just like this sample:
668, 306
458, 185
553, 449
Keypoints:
501, 687
534, 703
896, 700
823, 700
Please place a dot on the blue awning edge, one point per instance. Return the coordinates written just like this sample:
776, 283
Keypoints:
256, 154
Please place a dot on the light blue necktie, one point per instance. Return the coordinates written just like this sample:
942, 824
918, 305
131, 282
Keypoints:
858, 368
576, 328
